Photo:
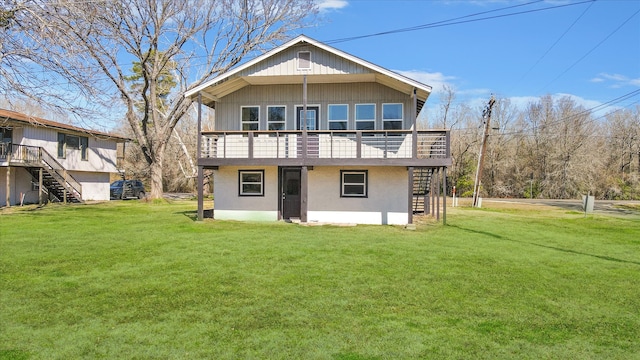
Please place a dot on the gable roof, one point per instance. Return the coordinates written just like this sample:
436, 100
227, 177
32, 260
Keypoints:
255, 72
13, 117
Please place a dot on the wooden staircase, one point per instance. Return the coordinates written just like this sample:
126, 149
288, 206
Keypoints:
54, 185
421, 188
56, 182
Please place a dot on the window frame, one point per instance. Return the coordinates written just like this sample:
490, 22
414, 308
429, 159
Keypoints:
385, 121
241, 191
300, 61
284, 118
250, 122
364, 184
330, 121
359, 121
63, 145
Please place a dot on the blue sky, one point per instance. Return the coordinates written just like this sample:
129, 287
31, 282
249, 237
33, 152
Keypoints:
587, 50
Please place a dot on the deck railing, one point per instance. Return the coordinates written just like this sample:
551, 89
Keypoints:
23, 154
35, 156
343, 144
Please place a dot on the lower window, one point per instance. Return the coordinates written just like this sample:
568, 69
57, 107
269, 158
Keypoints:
251, 182
353, 183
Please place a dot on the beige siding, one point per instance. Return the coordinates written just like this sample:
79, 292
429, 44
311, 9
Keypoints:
228, 110
387, 201
381, 206
101, 157
227, 195
322, 63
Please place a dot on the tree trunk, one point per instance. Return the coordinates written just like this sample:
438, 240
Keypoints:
155, 170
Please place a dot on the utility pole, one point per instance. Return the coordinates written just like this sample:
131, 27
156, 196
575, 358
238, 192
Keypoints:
486, 114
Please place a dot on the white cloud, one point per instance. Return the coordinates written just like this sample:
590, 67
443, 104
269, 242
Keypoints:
325, 5
615, 80
436, 80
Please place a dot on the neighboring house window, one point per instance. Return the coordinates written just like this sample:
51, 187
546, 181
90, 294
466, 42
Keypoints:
250, 118
353, 183
304, 60
338, 117
392, 116
84, 147
251, 182
276, 117
365, 116
72, 142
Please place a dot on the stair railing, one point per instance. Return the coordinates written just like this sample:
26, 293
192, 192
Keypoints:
60, 173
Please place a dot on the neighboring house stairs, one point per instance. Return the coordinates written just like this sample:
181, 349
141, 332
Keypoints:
57, 183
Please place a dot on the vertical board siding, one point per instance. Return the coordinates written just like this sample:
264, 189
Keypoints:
101, 157
322, 63
228, 110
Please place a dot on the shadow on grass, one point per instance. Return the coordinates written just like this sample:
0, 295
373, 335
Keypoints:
495, 236
193, 214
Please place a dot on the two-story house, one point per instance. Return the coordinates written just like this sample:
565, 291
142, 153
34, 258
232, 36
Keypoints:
43, 160
309, 132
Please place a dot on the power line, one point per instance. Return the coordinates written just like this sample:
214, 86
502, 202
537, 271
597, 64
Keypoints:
592, 49
554, 44
455, 21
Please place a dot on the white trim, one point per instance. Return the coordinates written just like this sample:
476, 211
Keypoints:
284, 121
401, 119
355, 115
295, 115
305, 39
245, 215
299, 59
329, 121
357, 217
242, 122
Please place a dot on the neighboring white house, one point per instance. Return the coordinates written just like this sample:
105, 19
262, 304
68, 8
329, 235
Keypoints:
357, 157
68, 163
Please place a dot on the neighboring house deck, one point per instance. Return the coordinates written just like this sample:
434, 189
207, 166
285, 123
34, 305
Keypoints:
43, 160
311, 133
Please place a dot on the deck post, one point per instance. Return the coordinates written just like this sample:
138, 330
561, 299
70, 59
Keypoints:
304, 193
64, 187
438, 196
40, 187
198, 155
444, 196
432, 193
410, 195
8, 179
414, 124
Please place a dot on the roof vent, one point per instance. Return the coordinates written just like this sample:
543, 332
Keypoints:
304, 60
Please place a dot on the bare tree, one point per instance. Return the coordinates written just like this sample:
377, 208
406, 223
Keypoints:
91, 45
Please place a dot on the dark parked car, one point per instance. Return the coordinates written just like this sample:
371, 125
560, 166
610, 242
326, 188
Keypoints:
127, 189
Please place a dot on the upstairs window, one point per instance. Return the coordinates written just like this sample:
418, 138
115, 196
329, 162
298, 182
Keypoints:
276, 117
392, 116
250, 118
72, 142
365, 116
304, 60
338, 117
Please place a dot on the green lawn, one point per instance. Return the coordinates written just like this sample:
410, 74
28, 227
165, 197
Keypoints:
144, 281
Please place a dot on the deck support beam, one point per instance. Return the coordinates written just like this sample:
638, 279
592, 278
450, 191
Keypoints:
410, 202
304, 193
40, 187
9, 180
444, 196
200, 169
